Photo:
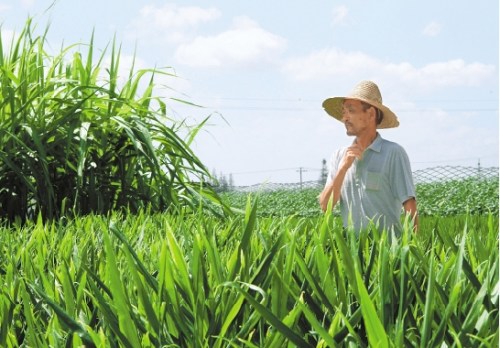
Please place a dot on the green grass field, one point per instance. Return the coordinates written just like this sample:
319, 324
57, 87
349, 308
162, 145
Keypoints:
194, 280
449, 198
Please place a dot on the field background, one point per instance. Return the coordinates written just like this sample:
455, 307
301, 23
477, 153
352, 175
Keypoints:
452, 196
280, 274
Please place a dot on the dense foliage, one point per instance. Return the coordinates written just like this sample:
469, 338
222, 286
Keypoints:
74, 140
196, 281
282, 202
440, 198
459, 197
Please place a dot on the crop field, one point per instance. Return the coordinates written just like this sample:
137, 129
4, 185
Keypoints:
453, 197
195, 280
108, 239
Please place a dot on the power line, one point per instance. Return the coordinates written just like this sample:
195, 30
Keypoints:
311, 169
453, 160
277, 170
301, 170
314, 100
261, 108
318, 103
264, 171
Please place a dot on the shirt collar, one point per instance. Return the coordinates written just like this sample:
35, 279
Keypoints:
376, 145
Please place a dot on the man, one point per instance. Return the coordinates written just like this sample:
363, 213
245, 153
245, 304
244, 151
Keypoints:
372, 178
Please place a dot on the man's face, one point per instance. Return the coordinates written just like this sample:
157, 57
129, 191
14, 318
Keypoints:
355, 119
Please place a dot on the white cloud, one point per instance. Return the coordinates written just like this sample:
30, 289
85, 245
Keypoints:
443, 143
450, 73
174, 17
432, 29
328, 63
170, 22
340, 14
28, 3
246, 43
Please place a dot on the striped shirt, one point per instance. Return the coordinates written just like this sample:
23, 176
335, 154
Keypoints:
375, 187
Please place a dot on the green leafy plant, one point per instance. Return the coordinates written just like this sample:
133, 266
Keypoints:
72, 139
194, 280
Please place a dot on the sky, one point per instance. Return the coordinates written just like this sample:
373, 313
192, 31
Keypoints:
260, 70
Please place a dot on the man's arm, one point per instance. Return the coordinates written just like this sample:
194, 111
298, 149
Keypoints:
332, 190
410, 207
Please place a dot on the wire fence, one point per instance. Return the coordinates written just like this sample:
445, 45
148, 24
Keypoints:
448, 173
429, 175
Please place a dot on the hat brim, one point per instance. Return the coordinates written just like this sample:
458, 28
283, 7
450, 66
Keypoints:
333, 107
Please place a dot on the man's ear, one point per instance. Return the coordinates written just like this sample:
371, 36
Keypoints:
373, 113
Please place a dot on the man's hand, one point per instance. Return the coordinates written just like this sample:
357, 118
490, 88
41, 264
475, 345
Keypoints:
410, 207
332, 191
353, 152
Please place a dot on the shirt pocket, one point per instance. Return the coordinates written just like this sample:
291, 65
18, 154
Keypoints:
373, 181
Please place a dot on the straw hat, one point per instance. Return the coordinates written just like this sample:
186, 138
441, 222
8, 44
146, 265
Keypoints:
368, 92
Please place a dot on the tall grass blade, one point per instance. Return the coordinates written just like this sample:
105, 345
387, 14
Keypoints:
269, 316
64, 317
428, 314
120, 302
374, 327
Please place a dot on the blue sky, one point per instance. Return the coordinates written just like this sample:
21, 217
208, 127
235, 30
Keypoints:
262, 69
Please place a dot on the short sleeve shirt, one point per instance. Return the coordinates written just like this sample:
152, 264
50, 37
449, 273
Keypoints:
375, 187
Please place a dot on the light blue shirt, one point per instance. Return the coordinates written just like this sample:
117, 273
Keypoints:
375, 187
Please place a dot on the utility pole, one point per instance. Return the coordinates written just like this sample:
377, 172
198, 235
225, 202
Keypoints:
301, 170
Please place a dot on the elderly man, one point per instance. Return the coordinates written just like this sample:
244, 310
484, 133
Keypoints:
372, 178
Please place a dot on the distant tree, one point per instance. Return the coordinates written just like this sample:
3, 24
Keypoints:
223, 183
213, 180
324, 172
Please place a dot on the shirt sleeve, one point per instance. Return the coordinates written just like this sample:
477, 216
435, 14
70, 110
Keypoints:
333, 165
402, 187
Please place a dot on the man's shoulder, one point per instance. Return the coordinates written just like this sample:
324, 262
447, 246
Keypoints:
388, 144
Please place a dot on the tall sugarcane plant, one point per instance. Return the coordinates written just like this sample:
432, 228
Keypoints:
74, 140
